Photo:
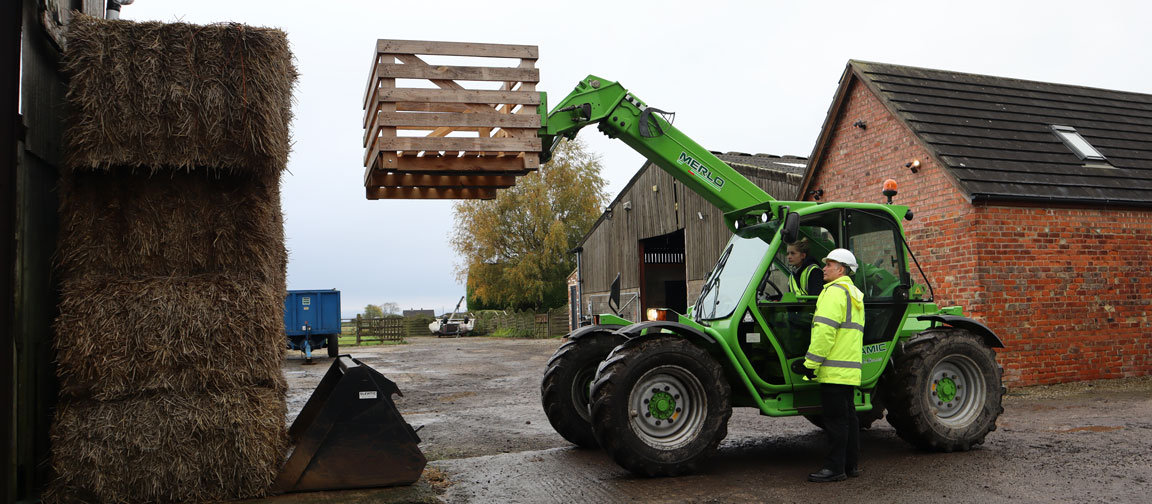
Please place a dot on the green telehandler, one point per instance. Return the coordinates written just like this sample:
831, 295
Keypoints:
657, 395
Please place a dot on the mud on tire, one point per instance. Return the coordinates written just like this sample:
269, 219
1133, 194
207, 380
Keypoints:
660, 405
567, 379
946, 391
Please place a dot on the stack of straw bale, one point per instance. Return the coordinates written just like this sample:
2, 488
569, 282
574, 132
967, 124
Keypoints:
170, 335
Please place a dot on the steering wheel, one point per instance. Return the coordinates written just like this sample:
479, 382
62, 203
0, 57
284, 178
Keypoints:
775, 296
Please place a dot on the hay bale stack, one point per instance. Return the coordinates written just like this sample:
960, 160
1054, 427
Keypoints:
177, 95
184, 335
172, 263
128, 223
168, 447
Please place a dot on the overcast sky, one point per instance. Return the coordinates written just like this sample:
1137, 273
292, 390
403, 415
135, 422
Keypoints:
753, 77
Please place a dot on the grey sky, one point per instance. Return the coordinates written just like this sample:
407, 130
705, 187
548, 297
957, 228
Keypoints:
741, 76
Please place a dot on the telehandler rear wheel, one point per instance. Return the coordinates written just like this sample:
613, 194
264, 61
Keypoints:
660, 405
567, 379
946, 391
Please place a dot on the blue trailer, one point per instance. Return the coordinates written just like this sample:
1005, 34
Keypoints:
312, 321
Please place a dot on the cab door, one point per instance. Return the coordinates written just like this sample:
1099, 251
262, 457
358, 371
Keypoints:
875, 239
788, 315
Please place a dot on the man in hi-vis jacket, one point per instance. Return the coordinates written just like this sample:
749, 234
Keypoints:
833, 359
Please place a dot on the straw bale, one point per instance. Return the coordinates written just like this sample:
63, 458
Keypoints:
178, 96
133, 224
168, 447
207, 333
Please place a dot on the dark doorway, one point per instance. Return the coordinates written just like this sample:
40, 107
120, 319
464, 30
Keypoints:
662, 276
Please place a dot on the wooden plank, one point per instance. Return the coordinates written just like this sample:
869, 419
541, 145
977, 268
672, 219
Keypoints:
458, 144
373, 81
492, 120
392, 162
375, 193
459, 96
377, 179
469, 73
436, 107
453, 145
386, 46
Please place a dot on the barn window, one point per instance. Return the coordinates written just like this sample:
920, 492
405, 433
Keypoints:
1077, 143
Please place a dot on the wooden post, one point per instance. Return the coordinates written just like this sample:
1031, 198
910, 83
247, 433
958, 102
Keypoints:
357, 329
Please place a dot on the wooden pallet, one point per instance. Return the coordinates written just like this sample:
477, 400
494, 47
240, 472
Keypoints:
469, 142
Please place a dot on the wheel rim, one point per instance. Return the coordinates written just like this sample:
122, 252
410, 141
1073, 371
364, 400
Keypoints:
581, 392
667, 407
957, 391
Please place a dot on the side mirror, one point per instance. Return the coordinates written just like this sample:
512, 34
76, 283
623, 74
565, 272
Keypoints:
614, 296
791, 231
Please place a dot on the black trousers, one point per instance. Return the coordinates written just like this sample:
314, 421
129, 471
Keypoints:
842, 426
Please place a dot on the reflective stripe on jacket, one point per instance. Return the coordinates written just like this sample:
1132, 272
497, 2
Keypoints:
801, 288
837, 334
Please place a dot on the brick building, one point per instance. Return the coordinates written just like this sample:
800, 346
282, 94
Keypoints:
1032, 201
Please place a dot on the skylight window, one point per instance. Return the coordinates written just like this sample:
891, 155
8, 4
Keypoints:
1077, 143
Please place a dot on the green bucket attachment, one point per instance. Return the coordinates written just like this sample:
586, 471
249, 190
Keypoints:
350, 435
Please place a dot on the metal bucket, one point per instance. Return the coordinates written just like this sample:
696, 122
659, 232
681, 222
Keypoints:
350, 435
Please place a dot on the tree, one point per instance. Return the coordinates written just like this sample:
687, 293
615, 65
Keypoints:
373, 311
514, 249
390, 308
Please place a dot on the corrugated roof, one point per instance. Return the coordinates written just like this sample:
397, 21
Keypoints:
995, 134
786, 164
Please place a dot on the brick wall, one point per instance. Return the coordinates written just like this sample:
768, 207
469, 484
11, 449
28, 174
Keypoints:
1067, 291
1061, 286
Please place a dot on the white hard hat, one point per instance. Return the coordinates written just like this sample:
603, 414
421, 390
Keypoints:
842, 256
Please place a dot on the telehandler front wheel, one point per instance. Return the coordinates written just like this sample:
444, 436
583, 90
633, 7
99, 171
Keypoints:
660, 405
567, 379
946, 391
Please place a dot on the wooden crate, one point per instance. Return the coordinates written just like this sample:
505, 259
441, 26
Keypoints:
469, 142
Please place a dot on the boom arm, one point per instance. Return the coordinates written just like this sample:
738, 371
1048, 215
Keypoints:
620, 114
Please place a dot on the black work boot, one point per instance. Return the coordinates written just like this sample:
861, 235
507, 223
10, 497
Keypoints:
853, 472
826, 476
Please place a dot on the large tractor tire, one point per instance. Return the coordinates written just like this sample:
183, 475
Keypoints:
660, 405
946, 390
567, 379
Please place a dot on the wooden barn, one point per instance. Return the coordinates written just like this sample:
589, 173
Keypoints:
663, 239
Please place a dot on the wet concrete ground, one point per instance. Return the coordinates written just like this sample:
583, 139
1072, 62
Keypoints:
487, 440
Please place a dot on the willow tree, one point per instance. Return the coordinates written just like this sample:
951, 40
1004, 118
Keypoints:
514, 249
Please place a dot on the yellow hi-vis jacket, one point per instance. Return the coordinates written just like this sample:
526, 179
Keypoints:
801, 288
837, 334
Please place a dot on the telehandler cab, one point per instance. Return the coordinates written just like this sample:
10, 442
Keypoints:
657, 395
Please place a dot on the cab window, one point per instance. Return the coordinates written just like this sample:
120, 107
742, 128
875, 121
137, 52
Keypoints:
875, 240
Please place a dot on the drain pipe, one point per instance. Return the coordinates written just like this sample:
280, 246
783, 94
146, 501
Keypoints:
113, 10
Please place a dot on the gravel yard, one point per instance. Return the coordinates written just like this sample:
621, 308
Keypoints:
487, 440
